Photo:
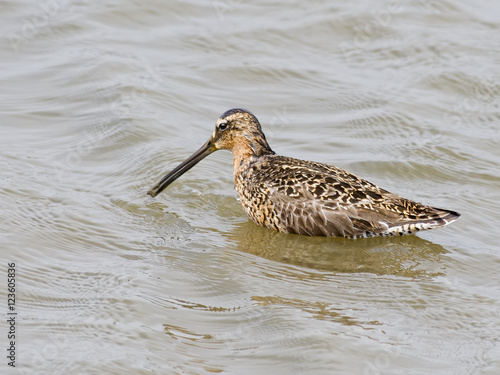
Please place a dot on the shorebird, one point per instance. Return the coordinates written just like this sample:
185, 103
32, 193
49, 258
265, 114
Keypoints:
304, 197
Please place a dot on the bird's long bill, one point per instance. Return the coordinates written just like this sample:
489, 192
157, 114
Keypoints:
182, 168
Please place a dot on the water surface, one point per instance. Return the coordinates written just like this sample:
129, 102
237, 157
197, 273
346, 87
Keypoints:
99, 100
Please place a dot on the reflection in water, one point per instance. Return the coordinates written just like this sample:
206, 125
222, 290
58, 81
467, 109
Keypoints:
112, 282
317, 309
370, 281
186, 342
408, 256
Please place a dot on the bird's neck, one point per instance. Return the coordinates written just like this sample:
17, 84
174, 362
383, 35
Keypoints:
249, 150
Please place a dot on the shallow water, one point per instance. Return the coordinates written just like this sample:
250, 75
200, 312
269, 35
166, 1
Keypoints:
98, 101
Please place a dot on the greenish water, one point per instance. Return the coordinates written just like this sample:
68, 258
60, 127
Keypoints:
99, 100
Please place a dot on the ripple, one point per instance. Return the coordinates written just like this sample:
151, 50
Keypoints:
100, 100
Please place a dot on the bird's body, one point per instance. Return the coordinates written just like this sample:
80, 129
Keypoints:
303, 197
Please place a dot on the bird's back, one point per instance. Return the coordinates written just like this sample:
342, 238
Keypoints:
303, 197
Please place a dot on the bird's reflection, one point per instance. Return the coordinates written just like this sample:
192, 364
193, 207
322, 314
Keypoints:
408, 256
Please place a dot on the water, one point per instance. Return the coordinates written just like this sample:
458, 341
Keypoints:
98, 100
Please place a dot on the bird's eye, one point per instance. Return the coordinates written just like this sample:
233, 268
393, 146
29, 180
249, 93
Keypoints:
223, 126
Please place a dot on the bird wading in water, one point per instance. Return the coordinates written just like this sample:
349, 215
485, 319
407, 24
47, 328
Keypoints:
304, 197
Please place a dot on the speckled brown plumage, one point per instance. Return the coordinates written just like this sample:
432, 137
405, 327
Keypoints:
304, 197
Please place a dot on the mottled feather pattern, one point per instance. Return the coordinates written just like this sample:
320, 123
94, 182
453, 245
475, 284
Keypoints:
315, 199
304, 197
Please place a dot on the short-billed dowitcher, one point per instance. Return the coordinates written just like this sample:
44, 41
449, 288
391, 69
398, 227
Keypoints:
304, 197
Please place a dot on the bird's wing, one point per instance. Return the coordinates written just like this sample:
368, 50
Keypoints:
322, 200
